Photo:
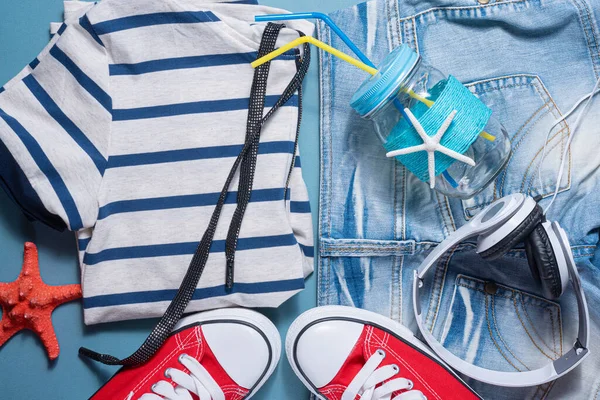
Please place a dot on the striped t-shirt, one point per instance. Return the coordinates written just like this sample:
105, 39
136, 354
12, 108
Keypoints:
124, 130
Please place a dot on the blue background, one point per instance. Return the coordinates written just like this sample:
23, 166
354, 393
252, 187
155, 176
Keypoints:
25, 372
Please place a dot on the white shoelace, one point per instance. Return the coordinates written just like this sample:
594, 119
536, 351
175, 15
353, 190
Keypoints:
198, 381
366, 381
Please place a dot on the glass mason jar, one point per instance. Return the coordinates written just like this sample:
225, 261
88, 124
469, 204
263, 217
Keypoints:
405, 81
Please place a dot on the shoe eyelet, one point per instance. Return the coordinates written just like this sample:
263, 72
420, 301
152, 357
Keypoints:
410, 385
381, 353
182, 357
168, 373
395, 368
153, 387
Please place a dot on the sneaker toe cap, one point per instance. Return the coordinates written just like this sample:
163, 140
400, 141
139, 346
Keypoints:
322, 349
241, 351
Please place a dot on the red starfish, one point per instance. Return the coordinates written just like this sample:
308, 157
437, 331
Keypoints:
28, 302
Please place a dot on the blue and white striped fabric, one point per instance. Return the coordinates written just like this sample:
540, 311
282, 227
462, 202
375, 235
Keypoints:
124, 130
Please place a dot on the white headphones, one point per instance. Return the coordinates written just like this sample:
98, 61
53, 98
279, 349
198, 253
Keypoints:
504, 223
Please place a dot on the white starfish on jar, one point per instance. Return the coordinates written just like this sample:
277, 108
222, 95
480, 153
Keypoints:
431, 144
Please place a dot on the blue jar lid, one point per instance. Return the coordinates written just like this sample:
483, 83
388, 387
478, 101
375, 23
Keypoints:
382, 87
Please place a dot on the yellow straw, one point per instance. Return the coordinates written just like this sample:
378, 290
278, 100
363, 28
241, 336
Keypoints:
487, 136
348, 59
319, 44
422, 99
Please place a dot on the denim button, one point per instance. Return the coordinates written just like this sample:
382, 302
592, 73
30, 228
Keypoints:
491, 287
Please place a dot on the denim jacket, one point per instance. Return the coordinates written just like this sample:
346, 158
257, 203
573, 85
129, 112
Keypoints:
529, 61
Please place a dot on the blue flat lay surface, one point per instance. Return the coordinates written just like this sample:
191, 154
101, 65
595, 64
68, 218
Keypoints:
25, 370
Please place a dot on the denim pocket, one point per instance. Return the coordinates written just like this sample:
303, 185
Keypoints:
526, 109
501, 328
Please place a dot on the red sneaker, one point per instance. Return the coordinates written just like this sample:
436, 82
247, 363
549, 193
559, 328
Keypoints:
347, 353
216, 355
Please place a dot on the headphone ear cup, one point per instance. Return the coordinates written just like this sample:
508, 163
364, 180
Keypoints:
531, 261
516, 236
543, 264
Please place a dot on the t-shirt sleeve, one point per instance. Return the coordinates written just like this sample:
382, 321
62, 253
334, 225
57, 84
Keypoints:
55, 131
301, 217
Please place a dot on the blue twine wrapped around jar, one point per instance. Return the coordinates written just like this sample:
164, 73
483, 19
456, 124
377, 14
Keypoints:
471, 118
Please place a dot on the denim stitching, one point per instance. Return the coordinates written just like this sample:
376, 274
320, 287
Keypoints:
501, 87
404, 182
398, 20
382, 248
447, 325
492, 335
466, 8
534, 83
521, 138
549, 311
406, 33
450, 213
537, 389
439, 206
435, 287
328, 60
593, 32
400, 273
483, 291
327, 263
493, 307
393, 289
533, 175
320, 262
544, 388
548, 151
374, 247
330, 63
330, 279
396, 286
518, 144
577, 251
450, 227
597, 392
475, 87
585, 26
415, 38
405, 245
389, 24
592, 28
556, 113
534, 330
395, 190
435, 293
537, 301
393, 16
330, 250
527, 331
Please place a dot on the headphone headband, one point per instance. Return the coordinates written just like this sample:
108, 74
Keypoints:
492, 217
